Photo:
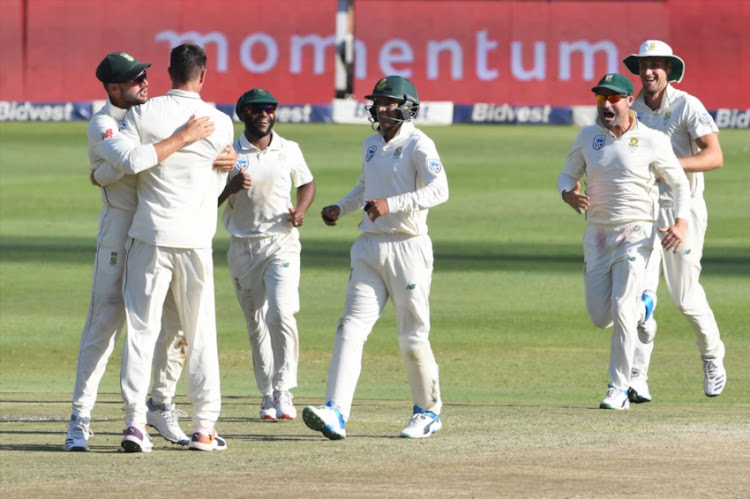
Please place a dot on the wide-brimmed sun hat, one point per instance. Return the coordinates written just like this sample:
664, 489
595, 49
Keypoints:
657, 48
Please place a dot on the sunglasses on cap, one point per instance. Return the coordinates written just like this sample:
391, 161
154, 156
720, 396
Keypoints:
259, 108
614, 98
138, 80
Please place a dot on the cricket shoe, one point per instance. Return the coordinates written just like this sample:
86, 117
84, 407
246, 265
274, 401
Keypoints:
326, 419
268, 408
422, 425
638, 392
164, 418
615, 399
136, 439
207, 441
714, 377
79, 432
284, 407
647, 325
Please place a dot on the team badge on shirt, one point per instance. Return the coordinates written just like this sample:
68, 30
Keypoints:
397, 152
433, 165
633, 141
113, 259
598, 142
240, 165
667, 115
107, 134
370, 153
705, 117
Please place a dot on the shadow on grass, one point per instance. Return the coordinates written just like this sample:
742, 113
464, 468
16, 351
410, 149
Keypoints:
317, 253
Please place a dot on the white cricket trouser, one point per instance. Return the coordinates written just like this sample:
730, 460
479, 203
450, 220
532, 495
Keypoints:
106, 318
682, 276
150, 273
383, 266
266, 274
614, 266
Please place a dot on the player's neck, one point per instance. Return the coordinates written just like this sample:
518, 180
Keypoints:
653, 100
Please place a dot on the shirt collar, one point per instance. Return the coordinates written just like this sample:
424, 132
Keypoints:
246, 145
116, 112
184, 93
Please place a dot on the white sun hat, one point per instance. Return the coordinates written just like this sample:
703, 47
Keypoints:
657, 48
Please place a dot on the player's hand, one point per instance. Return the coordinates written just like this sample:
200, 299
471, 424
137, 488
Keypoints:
93, 181
376, 208
674, 236
241, 181
296, 218
577, 200
225, 161
197, 128
330, 214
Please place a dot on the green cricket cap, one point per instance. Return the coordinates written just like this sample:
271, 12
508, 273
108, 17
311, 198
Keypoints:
255, 96
119, 67
615, 82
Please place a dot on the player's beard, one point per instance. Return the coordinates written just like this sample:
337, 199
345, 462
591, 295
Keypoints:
254, 130
135, 95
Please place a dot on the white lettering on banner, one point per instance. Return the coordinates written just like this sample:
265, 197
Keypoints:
483, 47
539, 70
319, 44
433, 59
588, 51
509, 114
222, 46
294, 114
396, 56
15, 111
395, 52
732, 118
246, 53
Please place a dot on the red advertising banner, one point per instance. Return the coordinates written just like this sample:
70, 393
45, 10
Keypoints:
532, 52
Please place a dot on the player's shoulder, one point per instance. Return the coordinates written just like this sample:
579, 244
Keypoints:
102, 125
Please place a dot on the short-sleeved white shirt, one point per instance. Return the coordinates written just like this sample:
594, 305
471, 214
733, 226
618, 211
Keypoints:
406, 171
177, 199
684, 118
621, 173
262, 211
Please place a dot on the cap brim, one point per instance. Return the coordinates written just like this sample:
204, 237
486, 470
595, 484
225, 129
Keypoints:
137, 69
614, 88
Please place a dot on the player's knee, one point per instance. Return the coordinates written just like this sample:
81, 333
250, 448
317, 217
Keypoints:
414, 348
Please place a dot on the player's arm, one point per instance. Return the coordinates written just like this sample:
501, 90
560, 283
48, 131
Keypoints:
568, 184
305, 197
236, 183
123, 153
709, 158
668, 167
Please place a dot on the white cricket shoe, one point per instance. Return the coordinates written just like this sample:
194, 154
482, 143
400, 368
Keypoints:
714, 377
326, 419
422, 425
205, 441
268, 408
638, 392
135, 439
615, 399
165, 418
284, 407
647, 325
79, 432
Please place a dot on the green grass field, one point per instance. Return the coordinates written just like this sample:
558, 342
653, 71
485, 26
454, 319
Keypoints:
522, 368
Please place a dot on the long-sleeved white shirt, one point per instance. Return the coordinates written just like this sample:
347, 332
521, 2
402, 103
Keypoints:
406, 171
621, 173
683, 118
177, 199
262, 211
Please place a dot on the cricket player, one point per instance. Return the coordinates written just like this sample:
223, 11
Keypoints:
401, 178
621, 159
695, 140
124, 79
170, 250
264, 251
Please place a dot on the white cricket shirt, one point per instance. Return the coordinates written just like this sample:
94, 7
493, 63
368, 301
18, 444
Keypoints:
177, 199
621, 173
262, 211
406, 171
684, 118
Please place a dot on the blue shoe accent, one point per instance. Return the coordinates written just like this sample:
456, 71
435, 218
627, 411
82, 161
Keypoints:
649, 301
419, 410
